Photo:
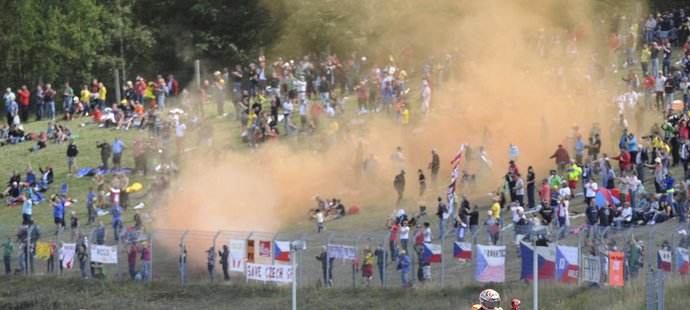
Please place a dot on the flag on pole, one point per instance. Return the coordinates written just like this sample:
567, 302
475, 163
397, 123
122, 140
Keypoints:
282, 251
567, 267
682, 265
462, 250
432, 253
546, 261
458, 156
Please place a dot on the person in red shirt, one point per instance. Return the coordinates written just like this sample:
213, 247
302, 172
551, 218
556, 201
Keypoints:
173, 88
648, 84
623, 160
545, 192
140, 87
24, 96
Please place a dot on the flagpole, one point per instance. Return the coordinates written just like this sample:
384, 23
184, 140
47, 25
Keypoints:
535, 274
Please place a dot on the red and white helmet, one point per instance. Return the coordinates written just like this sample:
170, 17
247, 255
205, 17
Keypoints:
489, 299
515, 304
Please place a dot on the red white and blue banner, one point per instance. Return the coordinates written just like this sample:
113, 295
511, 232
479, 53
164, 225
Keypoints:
546, 261
281, 251
462, 250
664, 258
683, 260
432, 253
491, 261
567, 264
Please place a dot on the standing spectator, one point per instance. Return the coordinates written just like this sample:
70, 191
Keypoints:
180, 130
116, 212
393, 240
13, 115
105, 153
27, 209
51, 259
132, 260
530, 187
659, 88
24, 97
160, 89
426, 96
84, 95
319, 220
40, 102
648, 84
399, 185
72, 152
367, 266
7, 249
146, 260
8, 98
380, 260
67, 96
326, 266
58, 213
562, 158
404, 267
100, 233
211, 262
118, 147
49, 100
669, 89
102, 93
492, 228
324, 91
173, 88
442, 213
563, 217
74, 224
404, 234
434, 165
224, 262
520, 189
422, 183
83, 257
219, 92
139, 150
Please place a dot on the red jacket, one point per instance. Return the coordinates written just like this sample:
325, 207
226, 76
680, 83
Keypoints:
623, 160
561, 156
649, 82
175, 87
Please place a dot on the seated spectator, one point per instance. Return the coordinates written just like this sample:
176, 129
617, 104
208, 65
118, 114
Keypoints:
46, 178
41, 142
625, 217
30, 177
661, 215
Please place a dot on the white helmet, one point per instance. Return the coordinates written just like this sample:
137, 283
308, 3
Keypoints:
489, 299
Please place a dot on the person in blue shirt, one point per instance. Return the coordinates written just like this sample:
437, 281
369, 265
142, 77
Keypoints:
116, 212
58, 211
27, 209
117, 149
404, 266
632, 147
90, 198
579, 151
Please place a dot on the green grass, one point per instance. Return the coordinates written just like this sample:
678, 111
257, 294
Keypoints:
48, 293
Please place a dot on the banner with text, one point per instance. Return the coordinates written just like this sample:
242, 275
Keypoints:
591, 269
271, 273
68, 250
104, 254
341, 251
491, 262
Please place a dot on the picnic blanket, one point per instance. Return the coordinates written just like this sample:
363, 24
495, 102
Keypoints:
92, 171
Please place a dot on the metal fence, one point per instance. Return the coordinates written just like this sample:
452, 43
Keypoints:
183, 257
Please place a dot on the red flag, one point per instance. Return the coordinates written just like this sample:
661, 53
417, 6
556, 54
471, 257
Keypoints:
458, 155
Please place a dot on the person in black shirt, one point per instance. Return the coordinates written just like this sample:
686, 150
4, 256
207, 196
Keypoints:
434, 165
530, 187
399, 184
422, 183
224, 262
105, 153
72, 152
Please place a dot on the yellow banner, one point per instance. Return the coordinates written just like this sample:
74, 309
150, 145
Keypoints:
42, 250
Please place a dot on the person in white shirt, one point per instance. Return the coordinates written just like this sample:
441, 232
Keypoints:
426, 96
427, 232
180, 131
625, 217
563, 217
590, 190
520, 189
404, 234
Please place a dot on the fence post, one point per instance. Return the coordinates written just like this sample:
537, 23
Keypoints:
246, 261
359, 236
151, 251
28, 249
443, 260
119, 269
660, 290
88, 250
535, 276
579, 258
273, 244
301, 238
58, 244
385, 259
558, 236
213, 275
183, 258
328, 261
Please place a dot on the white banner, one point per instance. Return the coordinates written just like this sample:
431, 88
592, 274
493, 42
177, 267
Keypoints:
272, 273
341, 251
237, 255
104, 254
68, 250
591, 269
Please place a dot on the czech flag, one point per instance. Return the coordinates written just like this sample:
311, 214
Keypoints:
462, 250
568, 266
682, 264
432, 253
281, 251
546, 262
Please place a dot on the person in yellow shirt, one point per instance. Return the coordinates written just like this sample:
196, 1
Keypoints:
496, 209
102, 92
251, 128
405, 114
333, 129
84, 96
644, 58
367, 266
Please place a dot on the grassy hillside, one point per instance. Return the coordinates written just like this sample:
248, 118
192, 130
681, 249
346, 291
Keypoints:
50, 293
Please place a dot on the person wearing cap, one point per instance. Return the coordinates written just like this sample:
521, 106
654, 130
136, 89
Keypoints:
404, 267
